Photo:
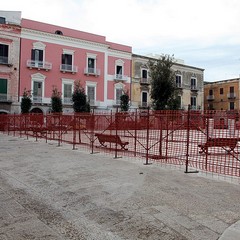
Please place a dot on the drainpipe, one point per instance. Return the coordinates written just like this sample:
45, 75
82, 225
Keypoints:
19, 67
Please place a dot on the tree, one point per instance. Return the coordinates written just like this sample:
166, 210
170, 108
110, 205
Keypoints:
124, 102
26, 102
163, 86
56, 101
79, 99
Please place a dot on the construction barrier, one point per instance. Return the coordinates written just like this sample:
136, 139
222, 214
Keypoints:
200, 140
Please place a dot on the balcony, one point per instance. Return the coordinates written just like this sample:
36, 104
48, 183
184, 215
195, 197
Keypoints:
210, 97
231, 95
179, 85
145, 81
194, 88
120, 77
144, 104
4, 97
67, 101
94, 103
92, 71
68, 68
39, 65
116, 103
37, 99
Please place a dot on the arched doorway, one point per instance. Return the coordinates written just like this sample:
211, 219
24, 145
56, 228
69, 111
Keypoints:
4, 112
36, 110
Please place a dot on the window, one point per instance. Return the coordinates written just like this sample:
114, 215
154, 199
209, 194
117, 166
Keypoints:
3, 53
58, 32
37, 87
2, 20
67, 62
221, 90
210, 92
193, 83
231, 89
178, 81
193, 102
144, 99
37, 91
210, 106
119, 71
231, 94
144, 73
67, 93
231, 105
91, 65
179, 99
119, 93
3, 89
91, 94
37, 57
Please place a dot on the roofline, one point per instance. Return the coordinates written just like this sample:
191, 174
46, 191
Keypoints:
179, 64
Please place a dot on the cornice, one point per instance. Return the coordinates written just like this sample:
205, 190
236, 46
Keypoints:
63, 40
119, 54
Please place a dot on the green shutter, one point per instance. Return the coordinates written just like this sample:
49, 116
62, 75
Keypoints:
3, 86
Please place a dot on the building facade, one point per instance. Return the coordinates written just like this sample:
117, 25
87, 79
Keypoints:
10, 31
189, 82
222, 95
56, 57
40, 57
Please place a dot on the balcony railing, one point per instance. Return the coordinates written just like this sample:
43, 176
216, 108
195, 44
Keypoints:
68, 68
120, 77
231, 95
210, 97
94, 103
117, 102
3, 60
145, 81
194, 88
37, 99
178, 85
4, 97
67, 100
144, 104
92, 71
39, 65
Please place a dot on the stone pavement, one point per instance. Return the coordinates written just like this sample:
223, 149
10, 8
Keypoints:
50, 192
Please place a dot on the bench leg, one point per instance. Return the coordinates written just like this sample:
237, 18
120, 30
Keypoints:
123, 147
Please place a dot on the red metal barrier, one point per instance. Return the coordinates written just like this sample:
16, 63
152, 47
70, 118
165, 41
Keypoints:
207, 141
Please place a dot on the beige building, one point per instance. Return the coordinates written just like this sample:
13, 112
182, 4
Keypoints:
189, 80
222, 95
10, 31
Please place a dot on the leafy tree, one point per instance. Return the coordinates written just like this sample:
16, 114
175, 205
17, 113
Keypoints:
79, 99
26, 102
163, 86
56, 101
124, 102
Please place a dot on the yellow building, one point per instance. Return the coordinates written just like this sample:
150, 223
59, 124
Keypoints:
189, 80
222, 95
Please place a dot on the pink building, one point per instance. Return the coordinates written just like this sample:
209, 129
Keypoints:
54, 56
10, 31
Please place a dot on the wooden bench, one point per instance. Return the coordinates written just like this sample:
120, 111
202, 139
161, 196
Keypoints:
39, 131
226, 143
103, 138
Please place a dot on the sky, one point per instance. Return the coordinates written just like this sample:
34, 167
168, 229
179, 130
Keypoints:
203, 33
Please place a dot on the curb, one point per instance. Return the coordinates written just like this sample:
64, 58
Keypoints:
232, 232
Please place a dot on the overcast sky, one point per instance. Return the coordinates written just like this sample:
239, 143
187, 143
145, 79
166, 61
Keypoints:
204, 33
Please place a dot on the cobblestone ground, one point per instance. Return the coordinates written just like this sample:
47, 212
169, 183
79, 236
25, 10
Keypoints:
50, 192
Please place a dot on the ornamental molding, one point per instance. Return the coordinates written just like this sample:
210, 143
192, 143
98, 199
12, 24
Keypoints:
63, 40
